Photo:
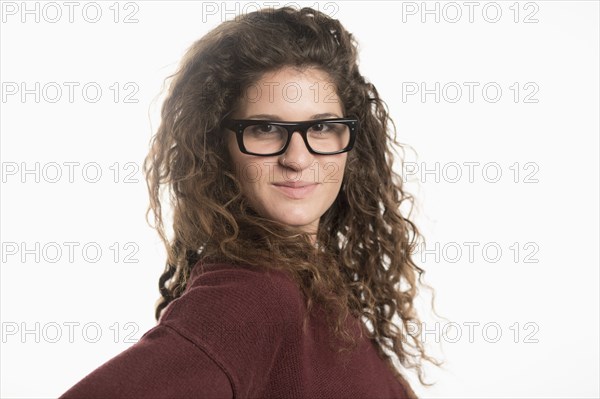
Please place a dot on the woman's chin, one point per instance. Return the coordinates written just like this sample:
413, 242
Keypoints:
296, 220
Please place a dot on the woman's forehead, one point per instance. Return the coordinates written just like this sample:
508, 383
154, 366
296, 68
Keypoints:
290, 91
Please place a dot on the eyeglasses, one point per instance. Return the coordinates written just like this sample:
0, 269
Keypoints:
321, 136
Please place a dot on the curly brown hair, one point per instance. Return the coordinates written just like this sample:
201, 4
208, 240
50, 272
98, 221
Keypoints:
362, 261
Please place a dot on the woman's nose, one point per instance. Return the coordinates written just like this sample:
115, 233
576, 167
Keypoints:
297, 155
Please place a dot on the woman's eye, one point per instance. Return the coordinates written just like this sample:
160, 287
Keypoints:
322, 128
265, 129
262, 129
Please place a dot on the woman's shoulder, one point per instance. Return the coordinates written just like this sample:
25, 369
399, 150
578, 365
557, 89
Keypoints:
235, 299
245, 282
240, 316
243, 274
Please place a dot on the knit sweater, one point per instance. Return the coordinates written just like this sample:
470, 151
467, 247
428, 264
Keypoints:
236, 332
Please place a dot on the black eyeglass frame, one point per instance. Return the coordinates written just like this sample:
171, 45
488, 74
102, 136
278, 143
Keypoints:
238, 126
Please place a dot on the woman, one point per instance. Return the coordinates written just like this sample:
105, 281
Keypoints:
284, 245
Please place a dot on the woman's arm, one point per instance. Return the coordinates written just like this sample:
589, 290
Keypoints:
162, 364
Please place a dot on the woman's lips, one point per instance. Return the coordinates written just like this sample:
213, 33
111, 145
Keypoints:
296, 190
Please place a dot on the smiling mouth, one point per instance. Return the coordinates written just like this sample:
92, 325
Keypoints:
296, 190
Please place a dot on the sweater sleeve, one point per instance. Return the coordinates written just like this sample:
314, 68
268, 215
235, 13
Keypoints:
220, 339
244, 318
162, 364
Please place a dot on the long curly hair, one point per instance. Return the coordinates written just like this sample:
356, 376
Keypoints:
361, 263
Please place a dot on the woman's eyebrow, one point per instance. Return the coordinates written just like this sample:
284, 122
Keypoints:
264, 116
325, 115
277, 118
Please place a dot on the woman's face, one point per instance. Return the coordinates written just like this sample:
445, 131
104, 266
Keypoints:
290, 95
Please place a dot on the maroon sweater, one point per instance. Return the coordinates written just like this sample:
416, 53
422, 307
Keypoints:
236, 332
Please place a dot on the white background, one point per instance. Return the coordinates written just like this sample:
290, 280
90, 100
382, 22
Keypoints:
549, 209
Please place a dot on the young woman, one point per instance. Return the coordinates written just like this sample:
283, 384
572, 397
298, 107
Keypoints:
289, 256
